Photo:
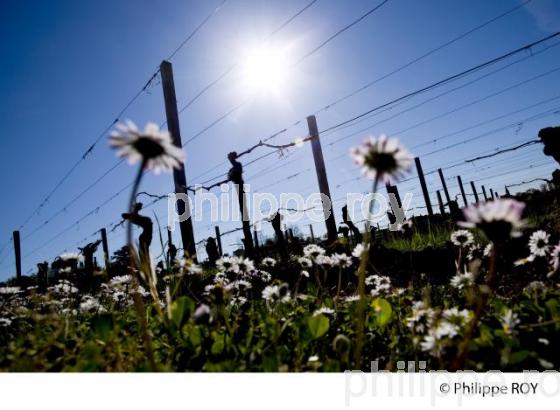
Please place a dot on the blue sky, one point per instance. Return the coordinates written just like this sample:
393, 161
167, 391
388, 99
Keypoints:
68, 67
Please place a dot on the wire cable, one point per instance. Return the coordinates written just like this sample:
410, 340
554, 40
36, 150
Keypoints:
445, 80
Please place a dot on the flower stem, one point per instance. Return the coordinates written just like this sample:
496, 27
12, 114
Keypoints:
481, 305
138, 302
339, 283
361, 307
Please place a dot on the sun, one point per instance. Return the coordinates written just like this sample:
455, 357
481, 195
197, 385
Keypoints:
265, 70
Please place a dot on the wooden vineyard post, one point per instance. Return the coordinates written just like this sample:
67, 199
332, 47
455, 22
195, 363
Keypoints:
332, 232
460, 182
179, 177
425, 192
17, 252
105, 246
492, 193
392, 189
445, 190
219, 240
169, 238
484, 193
311, 233
440, 202
474, 191
248, 238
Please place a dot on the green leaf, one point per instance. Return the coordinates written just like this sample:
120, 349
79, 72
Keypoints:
181, 309
318, 325
518, 357
192, 333
103, 324
382, 311
218, 345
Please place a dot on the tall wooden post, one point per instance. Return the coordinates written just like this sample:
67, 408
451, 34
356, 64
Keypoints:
492, 193
219, 240
460, 182
474, 191
169, 238
179, 177
424, 186
105, 246
311, 233
392, 189
322, 178
440, 202
17, 251
484, 193
445, 190
256, 239
246, 224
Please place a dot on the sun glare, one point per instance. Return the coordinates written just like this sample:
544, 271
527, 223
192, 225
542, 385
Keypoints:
265, 70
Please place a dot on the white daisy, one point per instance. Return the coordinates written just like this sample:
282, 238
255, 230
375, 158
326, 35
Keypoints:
421, 318
381, 285
324, 311
462, 280
201, 311
120, 280
241, 285
245, 265
238, 301
509, 321
188, 267
228, 264
264, 276
382, 158
352, 298
64, 287
312, 251
555, 259
270, 292
140, 290
429, 344
535, 286
445, 329
342, 260
499, 219
268, 262
152, 146
305, 262
90, 304
325, 260
455, 315
69, 256
358, 250
538, 243
9, 290
462, 238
